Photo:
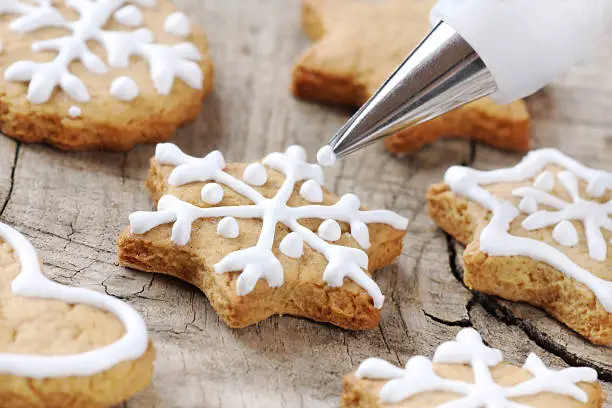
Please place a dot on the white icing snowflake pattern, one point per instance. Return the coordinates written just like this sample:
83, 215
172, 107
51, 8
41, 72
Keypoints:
495, 239
595, 216
419, 376
166, 62
259, 261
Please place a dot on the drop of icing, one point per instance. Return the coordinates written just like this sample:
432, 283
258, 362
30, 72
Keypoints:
311, 191
296, 152
124, 88
329, 230
597, 187
130, 16
528, 205
545, 181
212, 193
177, 23
74, 111
565, 234
326, 156
359, 231
255, 174
228, 227
292, 245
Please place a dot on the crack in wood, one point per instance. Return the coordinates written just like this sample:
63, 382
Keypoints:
11, 179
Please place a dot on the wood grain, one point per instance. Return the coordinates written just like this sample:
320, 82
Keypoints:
73, 205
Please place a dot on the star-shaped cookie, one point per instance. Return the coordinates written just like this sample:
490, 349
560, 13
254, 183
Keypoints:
263, 239
358, 45
538, 232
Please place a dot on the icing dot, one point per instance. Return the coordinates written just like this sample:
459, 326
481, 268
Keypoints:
129, 15
145, 35
326, 156
74, 111
545, 181
255, 174
228, 227
212, 193
528, 205
296, 152
597, 187
292, 245
311, 191
124, 88
360, 232
177, 23
329, 230
565, 234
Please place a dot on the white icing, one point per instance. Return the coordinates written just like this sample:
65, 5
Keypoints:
528, 205
311, 191
292, 245
329, 230
565, 234
495, 239
124, 88
545, 181
228, 227
212, 193
255, 174
326, 156
74, 111
130, 16
177, 23
259, 262
32, 283
297, 152
419, 376
166, 62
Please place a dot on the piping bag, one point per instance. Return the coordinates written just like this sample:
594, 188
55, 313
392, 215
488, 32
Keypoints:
506, 49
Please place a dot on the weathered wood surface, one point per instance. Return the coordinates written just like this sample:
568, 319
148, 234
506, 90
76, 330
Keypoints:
73, 205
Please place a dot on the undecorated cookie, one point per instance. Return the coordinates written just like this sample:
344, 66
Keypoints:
108, 74
465, 373
538, 232
256, 245
359, 44
61, 346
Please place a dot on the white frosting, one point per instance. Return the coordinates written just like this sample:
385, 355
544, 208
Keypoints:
565, 234
130, 16
311, 191
166, 62
124, 88
329, 230
292, 245
259, 261
326, 156
528, 205
177, 23
419, 376
495, 239
228, 227
255, 174
32, 283
545, 181
74, 111
297, 152
212, 193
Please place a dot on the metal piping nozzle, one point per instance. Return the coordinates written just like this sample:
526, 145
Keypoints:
441, 74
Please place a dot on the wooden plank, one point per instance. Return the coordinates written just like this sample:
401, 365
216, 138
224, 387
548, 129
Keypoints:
73, 205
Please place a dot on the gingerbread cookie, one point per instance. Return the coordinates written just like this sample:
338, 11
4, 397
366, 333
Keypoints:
62, 346
107, 74
263, 239
359, 44
465, 373
538, 232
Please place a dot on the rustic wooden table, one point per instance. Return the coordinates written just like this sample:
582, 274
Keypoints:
73, 206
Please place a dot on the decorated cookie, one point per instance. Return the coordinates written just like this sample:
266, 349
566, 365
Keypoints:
263, 239
104, 74
465, 373
359, 44
538, 232
62, 346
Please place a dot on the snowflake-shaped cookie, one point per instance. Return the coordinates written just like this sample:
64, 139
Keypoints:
419, 376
